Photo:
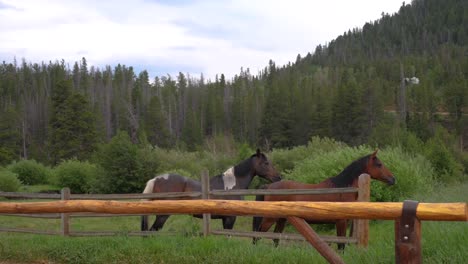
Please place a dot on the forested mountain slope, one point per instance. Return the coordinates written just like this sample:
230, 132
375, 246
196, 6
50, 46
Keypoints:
52, 111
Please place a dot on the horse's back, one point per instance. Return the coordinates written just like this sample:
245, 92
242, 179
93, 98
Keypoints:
171, 182
292, 185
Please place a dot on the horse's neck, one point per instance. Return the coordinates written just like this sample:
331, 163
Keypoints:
237, 177
243, 174
348, 177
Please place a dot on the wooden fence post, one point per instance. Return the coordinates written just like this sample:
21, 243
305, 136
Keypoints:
408, 235
206, 195
65, 218
361, 226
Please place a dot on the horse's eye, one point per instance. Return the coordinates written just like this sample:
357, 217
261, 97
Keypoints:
379, 165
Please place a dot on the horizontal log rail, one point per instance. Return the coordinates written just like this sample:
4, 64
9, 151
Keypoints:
84, 233
114, 233
169, 195
29, 231
88, 215
285, 236
307, 210
30, 195
128, 196
283, 191
46, 216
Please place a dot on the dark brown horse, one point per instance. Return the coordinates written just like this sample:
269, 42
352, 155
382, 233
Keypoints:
369, 164
237, 177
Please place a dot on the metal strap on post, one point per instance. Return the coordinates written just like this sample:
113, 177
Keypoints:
408, 217
408, 235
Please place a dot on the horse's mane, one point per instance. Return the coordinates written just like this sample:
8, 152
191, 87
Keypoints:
350, 173
244, 167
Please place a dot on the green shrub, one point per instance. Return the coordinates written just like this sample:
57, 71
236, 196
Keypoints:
285, 160
193, 162
6, 155
447, 168
412, 173
386, 133
30, 172
244, 152
148, 162
119, 160
9, 181
76, 175
464, 160
171, 160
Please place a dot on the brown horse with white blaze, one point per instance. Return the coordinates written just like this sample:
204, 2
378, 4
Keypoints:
369, 164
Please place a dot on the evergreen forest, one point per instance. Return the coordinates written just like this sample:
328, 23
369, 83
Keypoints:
401, 80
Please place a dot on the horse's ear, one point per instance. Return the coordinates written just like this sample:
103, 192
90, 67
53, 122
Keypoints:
258, 153
375, 152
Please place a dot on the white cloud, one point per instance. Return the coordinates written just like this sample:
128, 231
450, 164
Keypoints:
209, 36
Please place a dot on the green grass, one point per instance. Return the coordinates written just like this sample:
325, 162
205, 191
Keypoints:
38, 188
442, 242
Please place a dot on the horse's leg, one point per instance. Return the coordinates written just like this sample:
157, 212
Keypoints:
159, 222
341, 232
351, 228
264, 227
279, 229
144, 223
228, 222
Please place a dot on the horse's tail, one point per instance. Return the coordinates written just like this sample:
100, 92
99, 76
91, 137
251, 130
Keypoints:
257, 220
144, 218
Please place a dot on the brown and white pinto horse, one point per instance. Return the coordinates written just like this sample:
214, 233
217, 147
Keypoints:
369, 164
237, 177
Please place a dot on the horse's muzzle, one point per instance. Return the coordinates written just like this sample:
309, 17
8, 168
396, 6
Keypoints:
277, 178
391, 180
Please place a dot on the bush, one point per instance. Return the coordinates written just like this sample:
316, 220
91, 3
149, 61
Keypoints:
412, 173
447, 168
9, 181
6, 156
244, 152
285, 160
464, 160
30, 172
77, 175
193, 162
121, 166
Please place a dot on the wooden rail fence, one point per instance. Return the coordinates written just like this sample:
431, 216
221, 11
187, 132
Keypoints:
360, 226
407, 215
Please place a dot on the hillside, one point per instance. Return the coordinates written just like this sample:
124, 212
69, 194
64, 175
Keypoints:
341, 91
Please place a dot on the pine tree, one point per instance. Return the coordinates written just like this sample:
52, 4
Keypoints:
72, 125
276, 125
191, 133
10, 136
348, 112
156, 124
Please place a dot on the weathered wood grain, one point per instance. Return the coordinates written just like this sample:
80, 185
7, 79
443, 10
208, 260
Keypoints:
308, 210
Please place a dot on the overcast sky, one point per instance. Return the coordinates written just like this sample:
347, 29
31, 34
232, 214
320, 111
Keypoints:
168, 36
